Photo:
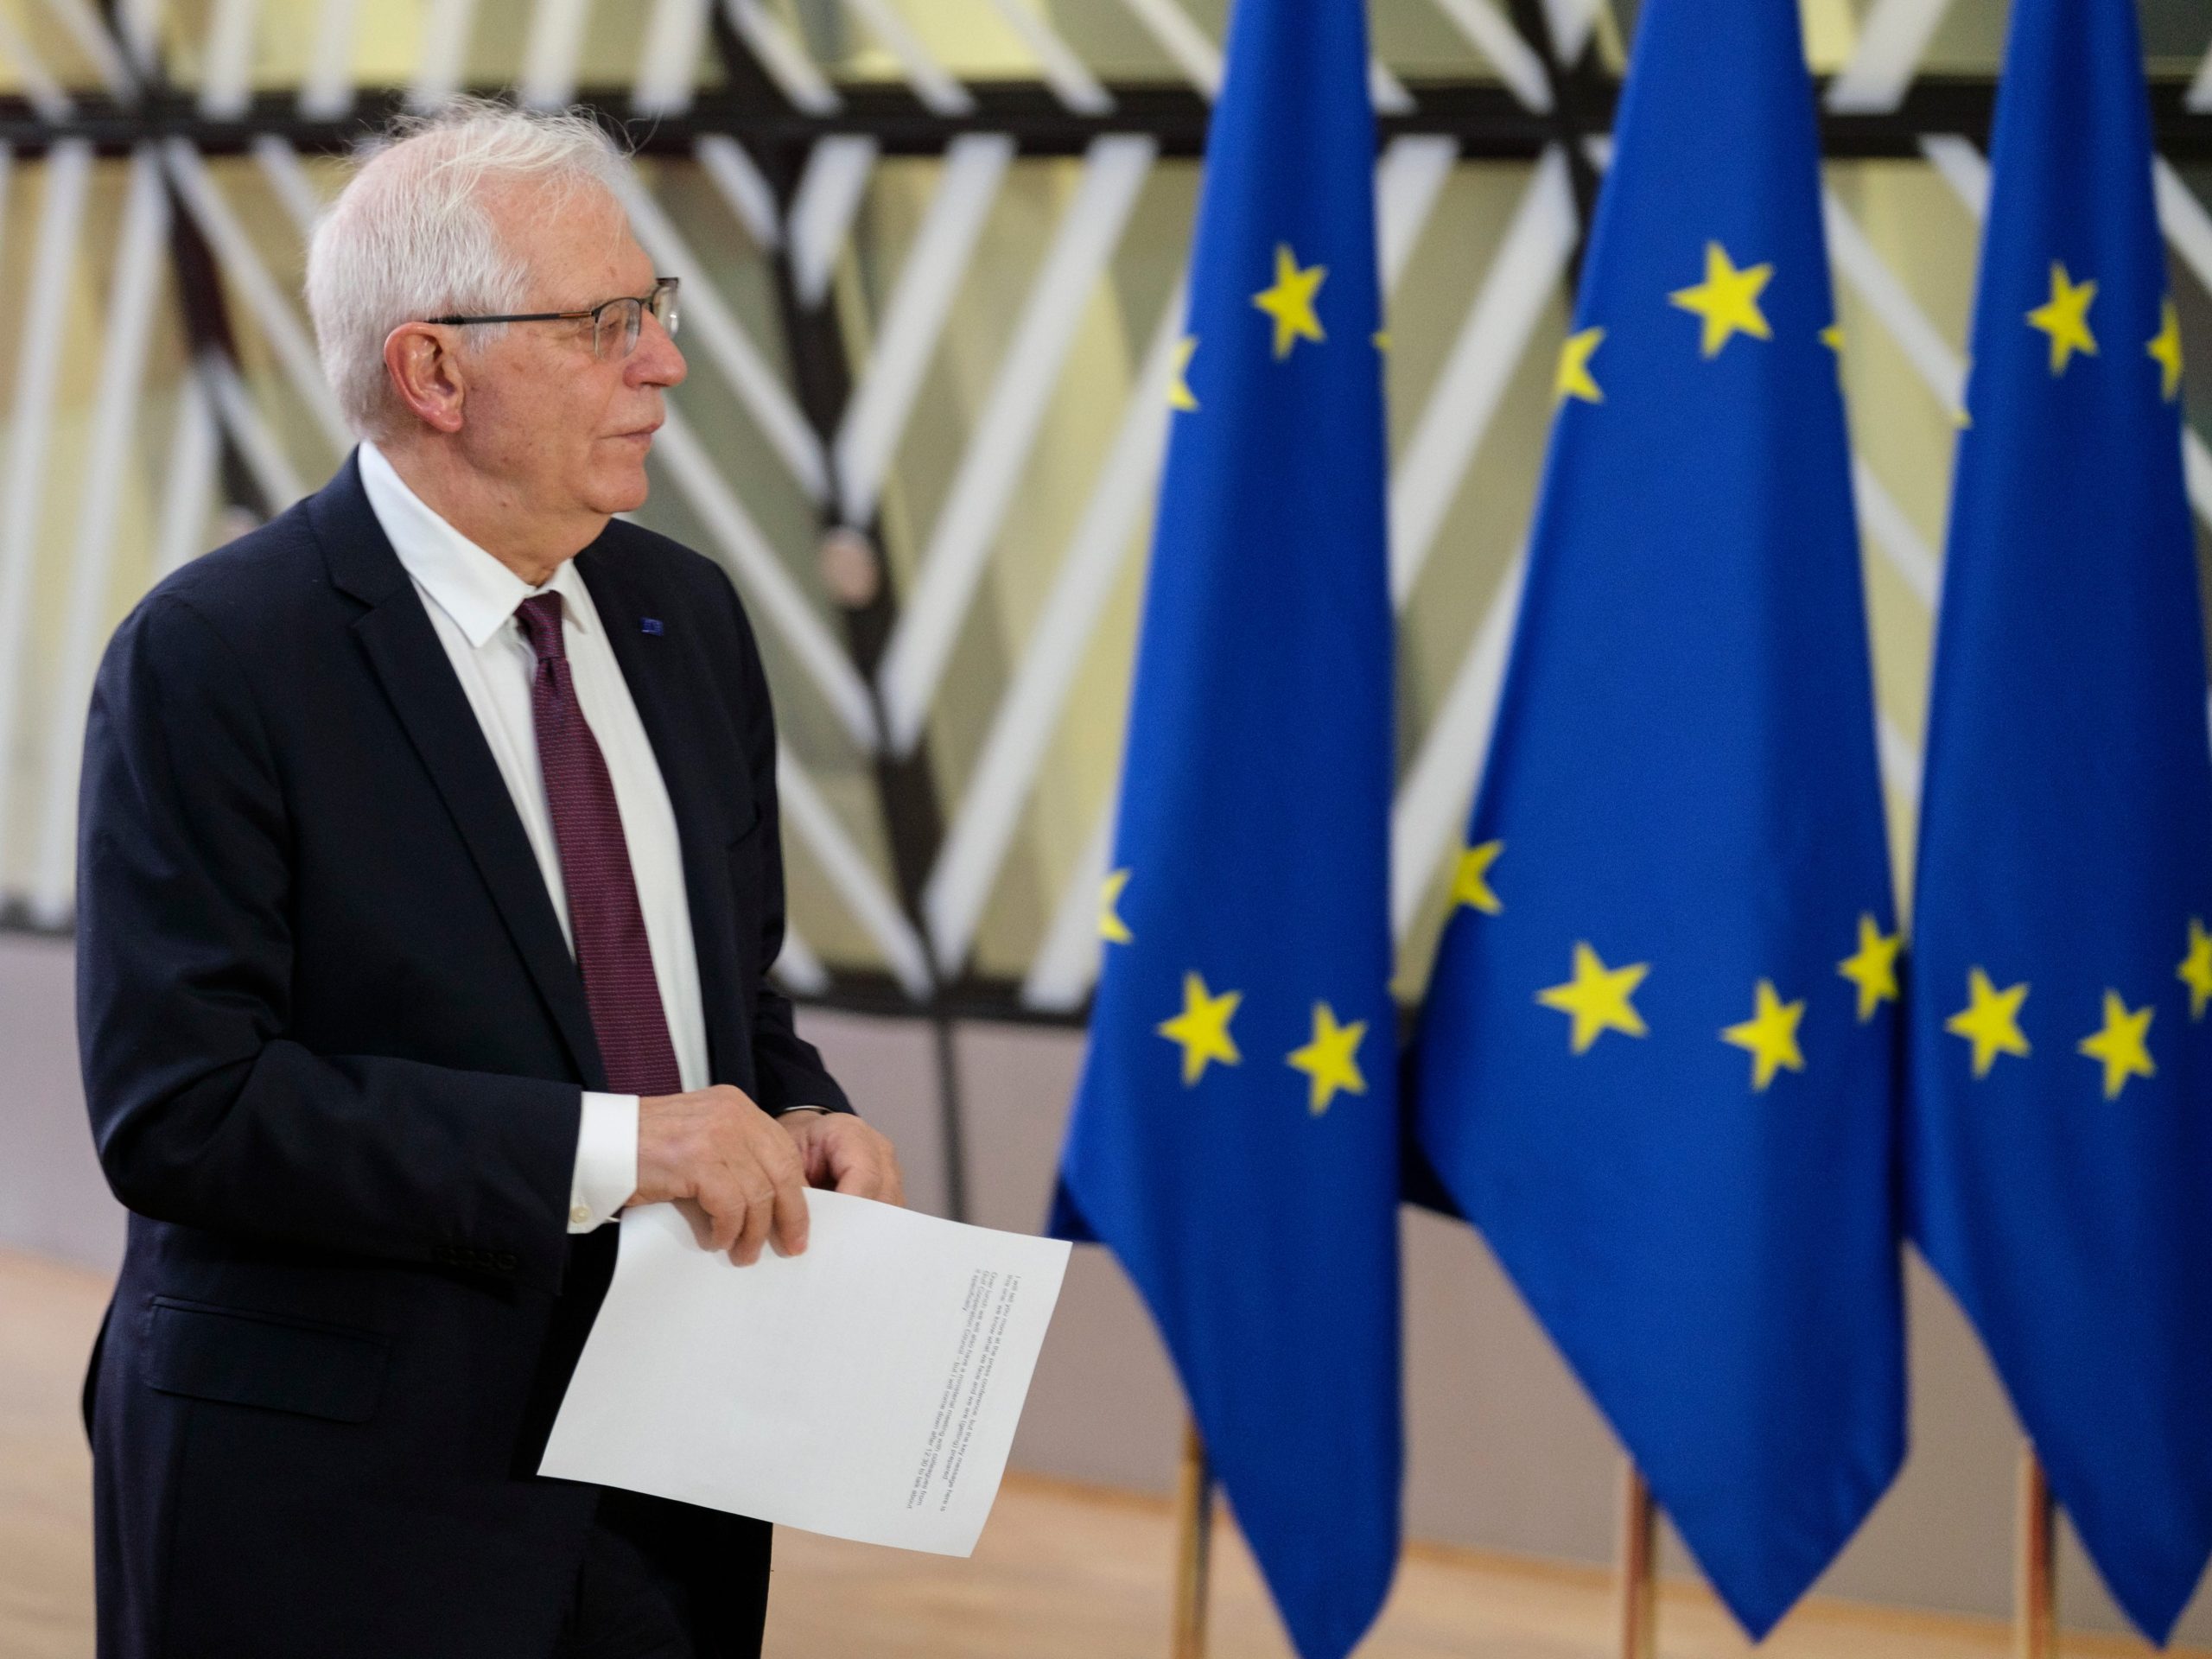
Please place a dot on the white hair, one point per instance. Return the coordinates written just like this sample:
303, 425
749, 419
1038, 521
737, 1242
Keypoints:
410, 237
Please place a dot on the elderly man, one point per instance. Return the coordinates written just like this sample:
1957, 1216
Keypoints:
429, 885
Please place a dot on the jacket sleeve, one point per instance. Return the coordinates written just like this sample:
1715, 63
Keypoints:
789, 1068
205, 1110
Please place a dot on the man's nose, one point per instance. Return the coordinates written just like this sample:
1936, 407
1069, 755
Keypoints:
654, 360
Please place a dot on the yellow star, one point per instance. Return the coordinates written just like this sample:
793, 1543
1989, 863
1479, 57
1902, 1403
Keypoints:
1728, 300
1471, 881
1111, 927
1332, 1059
2164, 349
1381, 338
2121, 1045
1179, 395
2195, 970
1990, 1020
2065, 318
1832, 337
1290, 301
1873, 967
1598, 998
1574, 379
1770, 1035
1203, 1028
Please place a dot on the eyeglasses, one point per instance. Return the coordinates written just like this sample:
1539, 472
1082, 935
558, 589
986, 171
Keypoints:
612, 321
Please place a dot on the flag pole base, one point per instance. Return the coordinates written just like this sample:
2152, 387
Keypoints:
2035, 1582
1193, 1548
1637, 1567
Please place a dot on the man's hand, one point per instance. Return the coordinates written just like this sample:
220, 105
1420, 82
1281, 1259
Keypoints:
721, 1153
846, 1155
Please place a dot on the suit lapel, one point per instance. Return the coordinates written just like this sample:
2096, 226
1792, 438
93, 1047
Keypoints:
676, 711
402, 649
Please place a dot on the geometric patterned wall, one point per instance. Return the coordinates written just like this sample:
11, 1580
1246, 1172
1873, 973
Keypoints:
931, 253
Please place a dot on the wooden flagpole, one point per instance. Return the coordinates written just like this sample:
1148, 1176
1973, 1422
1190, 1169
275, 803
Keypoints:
1637, 1567
1193, 1548
2035, 1580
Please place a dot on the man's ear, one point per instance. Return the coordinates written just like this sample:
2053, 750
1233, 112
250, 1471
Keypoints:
426, 373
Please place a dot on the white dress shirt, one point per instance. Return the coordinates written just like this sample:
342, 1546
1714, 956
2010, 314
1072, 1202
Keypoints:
471, 598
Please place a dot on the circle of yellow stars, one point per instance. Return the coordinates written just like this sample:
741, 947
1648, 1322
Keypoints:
1597, 998
1727, 303
1330, 1060
1291, 303
2063, 321
1991, 1024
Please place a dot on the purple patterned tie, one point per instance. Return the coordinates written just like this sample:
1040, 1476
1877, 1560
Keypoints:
604, 916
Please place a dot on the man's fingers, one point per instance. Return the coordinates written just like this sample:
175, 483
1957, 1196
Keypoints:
788, 1170
862, 1174
725, 1205
866, 1166
790, 1218
702, 1225
759, 1211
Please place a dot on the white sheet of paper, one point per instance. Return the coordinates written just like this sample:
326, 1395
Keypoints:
867, 1388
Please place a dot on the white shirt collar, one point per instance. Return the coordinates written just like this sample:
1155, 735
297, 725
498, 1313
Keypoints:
470, 586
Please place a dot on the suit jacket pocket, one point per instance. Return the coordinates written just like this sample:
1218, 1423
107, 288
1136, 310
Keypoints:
241, 1357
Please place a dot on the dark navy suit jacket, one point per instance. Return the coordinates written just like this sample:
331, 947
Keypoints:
334, 1047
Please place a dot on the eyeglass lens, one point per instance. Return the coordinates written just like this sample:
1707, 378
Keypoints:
615, 332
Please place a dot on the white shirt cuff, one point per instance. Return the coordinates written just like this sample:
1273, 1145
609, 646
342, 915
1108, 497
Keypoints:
607, 1160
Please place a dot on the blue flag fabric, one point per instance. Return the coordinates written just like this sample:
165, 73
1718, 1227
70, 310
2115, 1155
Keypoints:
1235, 1133
2060, 1147
1656, 1063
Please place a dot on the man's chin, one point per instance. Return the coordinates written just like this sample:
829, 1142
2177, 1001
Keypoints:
620, 489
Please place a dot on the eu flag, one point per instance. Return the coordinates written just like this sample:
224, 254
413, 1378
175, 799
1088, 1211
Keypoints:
2060, 1144
1235, 1133
1656, 1064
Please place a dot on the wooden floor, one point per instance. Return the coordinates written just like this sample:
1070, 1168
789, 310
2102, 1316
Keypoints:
1062, 1571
